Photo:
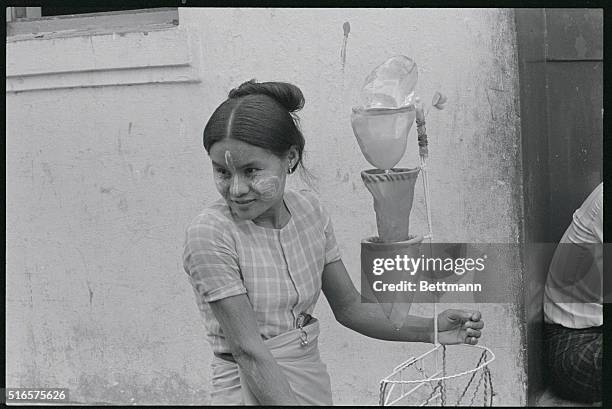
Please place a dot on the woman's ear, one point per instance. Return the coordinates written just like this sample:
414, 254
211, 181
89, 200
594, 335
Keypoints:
293, 156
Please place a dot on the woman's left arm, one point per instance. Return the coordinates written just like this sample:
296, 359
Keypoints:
454, 326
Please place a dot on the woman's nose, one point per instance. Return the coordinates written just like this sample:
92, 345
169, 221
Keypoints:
239, 186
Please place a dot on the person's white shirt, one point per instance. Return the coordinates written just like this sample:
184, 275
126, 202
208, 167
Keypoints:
573, 294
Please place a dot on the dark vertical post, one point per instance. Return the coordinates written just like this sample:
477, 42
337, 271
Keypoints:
575, 110
531, 45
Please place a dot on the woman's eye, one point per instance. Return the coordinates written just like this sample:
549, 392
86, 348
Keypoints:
250, 171
221, 171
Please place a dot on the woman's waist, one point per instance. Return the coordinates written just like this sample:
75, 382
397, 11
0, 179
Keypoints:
292, 343
270, 326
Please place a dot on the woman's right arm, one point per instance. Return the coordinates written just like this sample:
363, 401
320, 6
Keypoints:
263, 375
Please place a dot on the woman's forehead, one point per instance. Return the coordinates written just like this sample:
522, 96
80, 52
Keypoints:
238, 152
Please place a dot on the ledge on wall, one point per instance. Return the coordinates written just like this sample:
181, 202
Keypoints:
155, 54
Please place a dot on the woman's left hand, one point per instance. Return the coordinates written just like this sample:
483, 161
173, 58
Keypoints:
459, 326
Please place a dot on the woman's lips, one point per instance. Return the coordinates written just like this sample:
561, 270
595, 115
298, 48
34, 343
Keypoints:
243, 202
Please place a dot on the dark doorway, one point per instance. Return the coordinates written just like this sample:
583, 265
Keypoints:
560, 55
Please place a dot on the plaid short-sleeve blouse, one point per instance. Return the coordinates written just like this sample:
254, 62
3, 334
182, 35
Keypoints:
279, 269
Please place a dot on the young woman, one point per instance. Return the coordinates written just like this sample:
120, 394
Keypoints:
259, 257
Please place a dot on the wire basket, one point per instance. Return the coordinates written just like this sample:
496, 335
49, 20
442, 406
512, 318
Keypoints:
433, 379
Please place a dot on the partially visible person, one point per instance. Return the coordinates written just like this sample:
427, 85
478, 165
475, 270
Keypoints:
573, 305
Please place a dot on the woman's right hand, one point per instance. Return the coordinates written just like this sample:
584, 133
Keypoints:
459, 327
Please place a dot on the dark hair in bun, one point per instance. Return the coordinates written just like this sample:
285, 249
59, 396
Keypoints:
288, 95
260, 114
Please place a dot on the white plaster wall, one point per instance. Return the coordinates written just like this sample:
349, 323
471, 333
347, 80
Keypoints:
101, 183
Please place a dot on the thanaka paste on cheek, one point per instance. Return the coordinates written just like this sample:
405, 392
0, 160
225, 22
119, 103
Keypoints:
267, 187
222, 184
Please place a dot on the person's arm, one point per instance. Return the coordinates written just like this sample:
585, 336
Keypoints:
263, 375
454, 326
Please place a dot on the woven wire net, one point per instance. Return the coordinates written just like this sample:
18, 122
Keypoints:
457, 375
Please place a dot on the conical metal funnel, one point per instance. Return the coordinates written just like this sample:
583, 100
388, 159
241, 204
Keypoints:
393, 193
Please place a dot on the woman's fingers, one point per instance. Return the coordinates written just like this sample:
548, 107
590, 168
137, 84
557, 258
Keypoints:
463, 315
471, 340
474, 324
473, 333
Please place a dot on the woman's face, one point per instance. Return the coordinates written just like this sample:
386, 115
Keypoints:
251, 179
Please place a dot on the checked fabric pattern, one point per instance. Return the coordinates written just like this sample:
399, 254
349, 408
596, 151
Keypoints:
575, 362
